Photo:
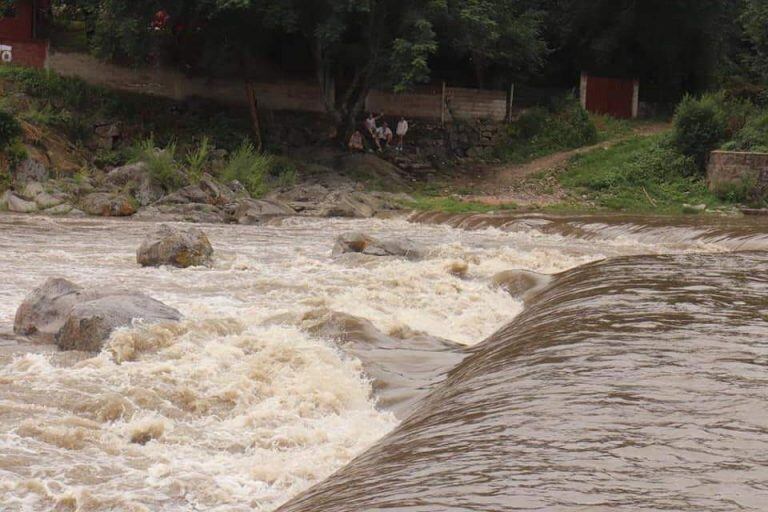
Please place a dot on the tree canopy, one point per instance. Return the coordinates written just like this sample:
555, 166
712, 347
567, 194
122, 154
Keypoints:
675, 46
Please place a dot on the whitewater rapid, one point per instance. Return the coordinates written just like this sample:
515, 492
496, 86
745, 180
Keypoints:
240, 407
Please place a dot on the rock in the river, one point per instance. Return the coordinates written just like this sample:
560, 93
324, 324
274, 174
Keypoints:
522, 284
18, 205
108, 205
255, 211
458, 269
176, 247
356, 205
364, 244
82, 319
44, 311
90, 322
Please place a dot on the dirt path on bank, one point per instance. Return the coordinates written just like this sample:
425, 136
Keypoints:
534, 183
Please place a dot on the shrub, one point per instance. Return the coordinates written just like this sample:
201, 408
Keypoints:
197, 159
699, 127
539, 131
10, 130
161, 163
250, 168
752, 137
283, 173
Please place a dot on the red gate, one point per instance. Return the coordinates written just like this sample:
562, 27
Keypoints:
611, 96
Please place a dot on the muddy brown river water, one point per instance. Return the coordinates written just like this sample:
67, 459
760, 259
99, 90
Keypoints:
635, 381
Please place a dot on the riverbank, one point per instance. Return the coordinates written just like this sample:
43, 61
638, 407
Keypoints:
77, 140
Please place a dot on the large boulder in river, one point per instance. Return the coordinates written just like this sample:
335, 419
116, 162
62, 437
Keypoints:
76, 318
364, 244
521, 284
175, 247
106, 204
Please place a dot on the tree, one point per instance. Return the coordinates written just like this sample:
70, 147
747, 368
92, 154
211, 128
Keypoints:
675, 46
754, 20
502, 32
356, 44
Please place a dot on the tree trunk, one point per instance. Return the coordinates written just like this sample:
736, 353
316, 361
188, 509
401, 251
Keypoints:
480, 66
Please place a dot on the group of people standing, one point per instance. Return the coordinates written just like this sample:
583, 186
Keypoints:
379, 136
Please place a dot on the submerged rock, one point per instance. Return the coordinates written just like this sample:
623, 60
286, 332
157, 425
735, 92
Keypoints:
175, 247
76, 318
364, 244
106, 204
522, 284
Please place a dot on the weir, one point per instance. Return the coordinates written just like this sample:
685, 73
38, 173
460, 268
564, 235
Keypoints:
608, 393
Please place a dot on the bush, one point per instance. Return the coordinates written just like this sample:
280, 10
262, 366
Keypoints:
699, 127
752, 137
283, 173
197, 159
250, 168
161, 163
10, 130
540, 131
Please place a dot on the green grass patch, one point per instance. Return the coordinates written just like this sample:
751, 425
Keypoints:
641, 174
453, 205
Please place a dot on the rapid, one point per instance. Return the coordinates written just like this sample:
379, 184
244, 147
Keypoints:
634, 381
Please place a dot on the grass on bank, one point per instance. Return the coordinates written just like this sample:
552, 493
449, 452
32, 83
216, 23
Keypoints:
641, 174
454, 205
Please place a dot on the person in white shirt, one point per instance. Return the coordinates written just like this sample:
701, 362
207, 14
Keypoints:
370, 126
402, 130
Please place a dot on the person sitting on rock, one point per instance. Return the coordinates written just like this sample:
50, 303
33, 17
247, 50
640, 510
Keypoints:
356, 142
384, 134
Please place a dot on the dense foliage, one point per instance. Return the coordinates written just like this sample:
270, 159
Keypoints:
564, 124
10, 129
699, 127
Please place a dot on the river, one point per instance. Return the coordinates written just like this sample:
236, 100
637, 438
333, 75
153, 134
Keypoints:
634, 381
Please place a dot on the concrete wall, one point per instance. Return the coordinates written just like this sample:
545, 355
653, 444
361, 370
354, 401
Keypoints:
729, 170
424, 103
476, 104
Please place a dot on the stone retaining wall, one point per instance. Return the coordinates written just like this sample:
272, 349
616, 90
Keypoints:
740, 172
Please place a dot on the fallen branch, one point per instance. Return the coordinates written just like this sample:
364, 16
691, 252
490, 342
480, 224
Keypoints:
650, 199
